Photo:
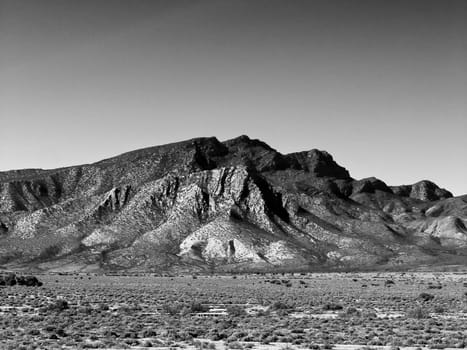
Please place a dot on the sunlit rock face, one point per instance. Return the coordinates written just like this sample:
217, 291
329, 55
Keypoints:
236, 205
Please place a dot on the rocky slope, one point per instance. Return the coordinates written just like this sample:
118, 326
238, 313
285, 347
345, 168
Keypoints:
207, 205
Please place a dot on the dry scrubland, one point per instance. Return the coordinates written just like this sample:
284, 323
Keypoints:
299, 311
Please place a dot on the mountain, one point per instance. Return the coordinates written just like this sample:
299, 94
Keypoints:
206, 205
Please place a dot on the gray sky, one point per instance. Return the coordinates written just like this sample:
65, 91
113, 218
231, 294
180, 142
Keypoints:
381, 85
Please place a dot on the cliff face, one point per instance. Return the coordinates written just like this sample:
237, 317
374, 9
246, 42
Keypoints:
234, 205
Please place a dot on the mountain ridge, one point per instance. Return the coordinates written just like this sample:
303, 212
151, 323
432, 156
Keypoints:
202, 204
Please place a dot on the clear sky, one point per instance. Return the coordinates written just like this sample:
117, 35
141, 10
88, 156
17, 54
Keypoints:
381, 85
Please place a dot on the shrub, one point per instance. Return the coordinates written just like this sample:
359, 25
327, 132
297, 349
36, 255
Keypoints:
147, 333
432, 286
198, 307
58, 305
426, 297
439, 309
103, 307
236, 310
234, 345
172, 308
350, 311
418, 313
9, 280
332, 307
34, 332
146, 344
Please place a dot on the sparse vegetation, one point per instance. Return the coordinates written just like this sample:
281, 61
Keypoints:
81, 311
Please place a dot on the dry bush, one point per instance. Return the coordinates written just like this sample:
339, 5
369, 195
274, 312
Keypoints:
418, 313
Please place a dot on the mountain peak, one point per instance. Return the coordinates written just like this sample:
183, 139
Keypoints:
424, 190
244, 141
319, 163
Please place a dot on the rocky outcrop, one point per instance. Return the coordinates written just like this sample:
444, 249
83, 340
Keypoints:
317, 163
369, 185
424, 190
203, 204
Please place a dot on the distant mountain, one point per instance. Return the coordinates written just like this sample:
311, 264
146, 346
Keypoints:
206, 205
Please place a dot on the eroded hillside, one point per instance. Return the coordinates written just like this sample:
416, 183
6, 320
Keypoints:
206, 205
